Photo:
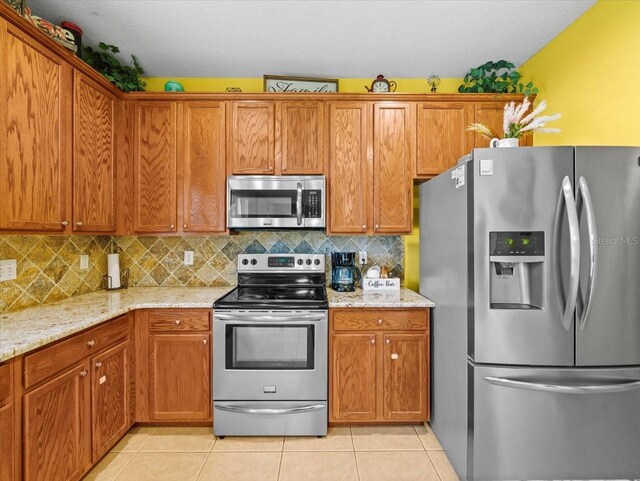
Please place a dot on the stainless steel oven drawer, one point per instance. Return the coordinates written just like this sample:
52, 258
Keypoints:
270, 418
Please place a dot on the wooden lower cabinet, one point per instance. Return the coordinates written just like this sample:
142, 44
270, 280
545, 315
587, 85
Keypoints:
405, 377
110, 386
9, 425
353, 393
379, 366
180, 377
57, 427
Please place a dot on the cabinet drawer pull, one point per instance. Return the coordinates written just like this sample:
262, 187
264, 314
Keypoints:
394, 356
91, 343
178, 321
380, 321
83, 373
98, 365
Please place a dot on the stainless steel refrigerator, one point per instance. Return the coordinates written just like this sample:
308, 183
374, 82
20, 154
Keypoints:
532, 256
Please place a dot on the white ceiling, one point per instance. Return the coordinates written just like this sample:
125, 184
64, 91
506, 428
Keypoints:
325, 38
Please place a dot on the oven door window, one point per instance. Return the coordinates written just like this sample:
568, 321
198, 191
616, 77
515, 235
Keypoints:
263, 204
272, 347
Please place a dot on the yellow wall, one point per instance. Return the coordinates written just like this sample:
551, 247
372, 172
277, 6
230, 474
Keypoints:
255, 84
591, 74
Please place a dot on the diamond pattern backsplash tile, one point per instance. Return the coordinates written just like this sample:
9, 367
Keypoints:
157, 261
48, 267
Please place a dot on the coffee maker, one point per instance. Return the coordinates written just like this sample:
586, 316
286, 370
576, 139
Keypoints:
344, 273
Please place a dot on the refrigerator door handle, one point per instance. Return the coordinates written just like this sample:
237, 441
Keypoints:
566, 197
565, 388
584, 197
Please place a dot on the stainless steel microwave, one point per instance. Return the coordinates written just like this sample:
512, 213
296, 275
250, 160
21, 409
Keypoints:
276, 202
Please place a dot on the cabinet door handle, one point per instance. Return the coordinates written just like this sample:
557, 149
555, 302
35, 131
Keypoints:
380, 321
64, 223
91, 343
83, 373
204, 341
364, 227
177, 321
394, 356
270, 169
377, 226
79, 223
388, 341
98, 365
172, 226
184, 226
373, 341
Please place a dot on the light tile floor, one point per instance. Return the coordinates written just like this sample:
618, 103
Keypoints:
380, 453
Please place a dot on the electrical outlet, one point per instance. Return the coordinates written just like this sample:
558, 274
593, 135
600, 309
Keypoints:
8, 270
188, 258
84, 262
363, 257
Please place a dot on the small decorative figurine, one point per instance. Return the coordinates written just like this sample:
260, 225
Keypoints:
173, 86
381, 85
433, 81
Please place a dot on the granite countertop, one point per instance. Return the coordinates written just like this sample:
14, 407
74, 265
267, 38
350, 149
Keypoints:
402, 298
26, 330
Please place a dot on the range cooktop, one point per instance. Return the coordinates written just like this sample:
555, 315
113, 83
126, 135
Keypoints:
278, 282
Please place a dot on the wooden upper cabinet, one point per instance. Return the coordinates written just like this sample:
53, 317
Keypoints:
204, 167
405, 381
252, 137
35, 143
301, 129
57, 427
155, 167
353, 377
180, 377
393, 160
442, 136
110, 388
349, 153
93, 157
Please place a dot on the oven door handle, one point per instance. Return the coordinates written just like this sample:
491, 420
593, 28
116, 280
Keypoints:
243, 410
284, 317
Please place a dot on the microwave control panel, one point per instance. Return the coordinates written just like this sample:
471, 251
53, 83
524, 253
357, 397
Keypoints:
312, 202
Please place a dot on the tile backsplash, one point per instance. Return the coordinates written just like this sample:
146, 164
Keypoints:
49, 266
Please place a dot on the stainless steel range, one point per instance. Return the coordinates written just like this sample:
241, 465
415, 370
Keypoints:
271, 347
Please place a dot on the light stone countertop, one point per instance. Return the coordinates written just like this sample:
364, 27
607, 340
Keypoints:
395, 299
25, 330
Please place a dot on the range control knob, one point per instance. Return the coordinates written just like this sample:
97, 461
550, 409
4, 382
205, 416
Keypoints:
300, 262
308, 262
253, 262
317, 262
245, 262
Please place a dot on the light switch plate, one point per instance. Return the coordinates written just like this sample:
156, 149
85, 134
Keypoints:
8, 270
84, 262
188, 258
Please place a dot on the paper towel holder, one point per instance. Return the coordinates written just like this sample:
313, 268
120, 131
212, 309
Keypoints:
124, 281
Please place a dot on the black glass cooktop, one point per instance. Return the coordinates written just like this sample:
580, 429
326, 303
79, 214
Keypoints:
274, 297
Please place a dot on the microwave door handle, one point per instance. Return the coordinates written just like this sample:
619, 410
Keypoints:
299, 203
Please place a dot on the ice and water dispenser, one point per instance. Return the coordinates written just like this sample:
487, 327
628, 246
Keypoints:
516, 270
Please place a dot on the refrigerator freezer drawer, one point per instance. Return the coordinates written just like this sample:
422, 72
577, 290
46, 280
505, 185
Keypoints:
549, 423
